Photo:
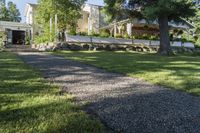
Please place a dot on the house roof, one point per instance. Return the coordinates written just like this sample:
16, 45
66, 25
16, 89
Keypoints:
182, 25
33, 5
28, 5
15, 25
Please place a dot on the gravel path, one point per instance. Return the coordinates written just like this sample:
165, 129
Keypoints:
125, 104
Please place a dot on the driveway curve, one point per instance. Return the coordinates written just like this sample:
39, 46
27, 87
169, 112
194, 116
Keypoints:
124, 104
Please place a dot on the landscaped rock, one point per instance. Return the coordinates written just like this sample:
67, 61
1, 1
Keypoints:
146, 49
107, 47
196, 52
190, 51
55, 49
91, 48
75, 47
129, 49
85, 46
113, 47
139, 49
64, 46
99, 47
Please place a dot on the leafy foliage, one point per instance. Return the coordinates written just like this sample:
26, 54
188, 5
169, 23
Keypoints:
9, 13
161, 10
178, 72
196, 21
68, 13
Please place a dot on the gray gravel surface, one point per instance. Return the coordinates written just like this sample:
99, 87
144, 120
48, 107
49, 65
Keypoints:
124, 104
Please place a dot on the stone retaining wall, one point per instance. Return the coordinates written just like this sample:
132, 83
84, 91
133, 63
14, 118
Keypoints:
46, 47
95, 47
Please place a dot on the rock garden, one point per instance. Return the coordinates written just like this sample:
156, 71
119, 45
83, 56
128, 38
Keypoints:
64, 46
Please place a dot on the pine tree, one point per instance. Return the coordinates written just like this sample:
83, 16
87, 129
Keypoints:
10, 13
161, 10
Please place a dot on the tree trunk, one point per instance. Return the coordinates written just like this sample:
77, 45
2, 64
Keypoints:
63, 38
164, 36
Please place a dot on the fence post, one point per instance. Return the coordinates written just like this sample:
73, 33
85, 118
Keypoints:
91, 39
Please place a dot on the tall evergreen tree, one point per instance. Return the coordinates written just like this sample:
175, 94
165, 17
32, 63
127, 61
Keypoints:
4, 14
14, 13
10, 13
161, 10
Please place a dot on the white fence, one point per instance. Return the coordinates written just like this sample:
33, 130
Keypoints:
86, 39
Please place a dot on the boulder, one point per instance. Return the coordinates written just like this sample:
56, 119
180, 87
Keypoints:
42, 49
99, 47
107, 47
54, 49
75, 47
113, 47
85, 46
64, 46
129, 49
146, 49
91, 47
190, 51
139, 49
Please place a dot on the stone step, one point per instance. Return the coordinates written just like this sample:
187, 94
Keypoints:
20, 48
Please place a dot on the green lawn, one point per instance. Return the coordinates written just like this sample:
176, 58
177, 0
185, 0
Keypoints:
30, 104
177, 72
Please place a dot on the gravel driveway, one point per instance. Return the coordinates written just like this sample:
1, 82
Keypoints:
125, 104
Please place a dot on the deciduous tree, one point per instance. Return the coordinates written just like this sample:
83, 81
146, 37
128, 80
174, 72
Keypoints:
68, 12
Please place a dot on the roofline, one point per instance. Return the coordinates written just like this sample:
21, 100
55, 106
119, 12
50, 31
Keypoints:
129, 20
94, 5
29, 5
13, 24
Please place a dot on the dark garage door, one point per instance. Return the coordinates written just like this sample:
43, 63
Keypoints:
18, 37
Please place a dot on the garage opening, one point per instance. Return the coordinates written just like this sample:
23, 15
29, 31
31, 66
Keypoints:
18, 37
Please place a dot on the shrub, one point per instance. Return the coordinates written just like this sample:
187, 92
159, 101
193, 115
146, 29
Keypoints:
28, 40
118, 36
154, 38
41, 39
93, 33
83, 33
198, 43
72, 32
104, 33
145, 37
2, 38
126, 36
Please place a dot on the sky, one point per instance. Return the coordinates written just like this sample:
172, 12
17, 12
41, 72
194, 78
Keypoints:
22, 3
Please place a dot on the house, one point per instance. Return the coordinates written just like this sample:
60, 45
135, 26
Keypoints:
16, 32
30, 14
93, 20
141, 27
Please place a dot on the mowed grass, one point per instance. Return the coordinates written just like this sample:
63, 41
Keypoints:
179, 72
30, 104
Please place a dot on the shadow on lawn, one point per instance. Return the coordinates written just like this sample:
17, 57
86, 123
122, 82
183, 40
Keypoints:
179, 72
55, 117
130, 108
29, 104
